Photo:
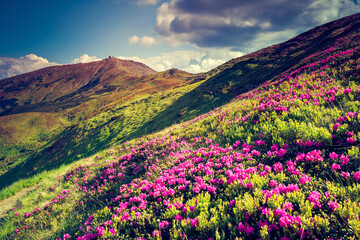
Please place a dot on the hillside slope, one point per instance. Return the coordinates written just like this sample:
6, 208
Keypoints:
59, 98
242, 74
281, 161
67, 83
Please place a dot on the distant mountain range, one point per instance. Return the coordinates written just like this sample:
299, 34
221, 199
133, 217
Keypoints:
76, 83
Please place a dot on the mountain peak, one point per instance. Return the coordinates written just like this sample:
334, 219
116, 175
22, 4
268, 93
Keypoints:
55, 83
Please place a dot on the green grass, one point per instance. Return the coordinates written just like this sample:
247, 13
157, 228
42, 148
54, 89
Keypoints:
113, 126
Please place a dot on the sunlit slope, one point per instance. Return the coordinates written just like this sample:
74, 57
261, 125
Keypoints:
245, 73
281, 161
26, 128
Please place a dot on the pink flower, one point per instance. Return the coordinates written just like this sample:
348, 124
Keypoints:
163, 224
245, 228
274, 147
335, 167
265, 211
314, 156
333, 155
336, 126
249, 185
345, 174
349, 134
350, 140
66, 236
282, 152
304, 179
314, 198
259, 142
255, 153
333, 205
327, 194
273, 183
267, 168
100, 231
194, 222
285, 221
178, 218
280, 212
288, 206
112, 231
356, 175
344, 159
278, 167
156, 233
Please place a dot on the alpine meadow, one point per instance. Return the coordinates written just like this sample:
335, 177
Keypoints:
264, 146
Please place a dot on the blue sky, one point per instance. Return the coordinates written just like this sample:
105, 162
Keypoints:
193, 35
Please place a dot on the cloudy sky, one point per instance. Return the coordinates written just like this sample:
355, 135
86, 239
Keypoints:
193, 35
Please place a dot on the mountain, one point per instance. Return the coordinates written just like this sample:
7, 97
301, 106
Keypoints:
68, 82
41, 106
277, 157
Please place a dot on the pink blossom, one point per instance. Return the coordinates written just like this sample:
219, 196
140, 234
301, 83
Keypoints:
314, 198
335, 167
100, 231
163, 224
344, 159
288, 206
246, 228
156, 233
333, 205
349, 134
278, 167
249, 185
304, 179
336, 126
265, 211
333, 155
350, 140
178, 218
345, 174
356, 175
282, 152
273, 183
267, 168
66, 236
112, 231
194, 222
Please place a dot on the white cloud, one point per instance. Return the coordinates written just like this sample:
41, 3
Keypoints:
134, 39
146, 2
235, 23
146, 40
266, 39
14, 66
85, 58
323, 11
194, 61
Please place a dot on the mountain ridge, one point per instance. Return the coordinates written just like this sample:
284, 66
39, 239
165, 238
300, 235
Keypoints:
52, 83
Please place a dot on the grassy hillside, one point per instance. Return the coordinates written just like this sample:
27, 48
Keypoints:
281, 161
27, 128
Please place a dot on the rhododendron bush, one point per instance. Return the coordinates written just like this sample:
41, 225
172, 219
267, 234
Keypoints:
279, 162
